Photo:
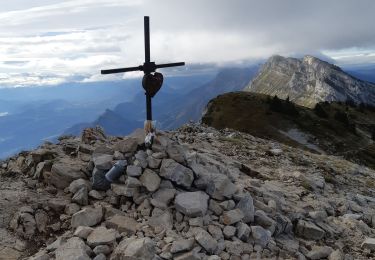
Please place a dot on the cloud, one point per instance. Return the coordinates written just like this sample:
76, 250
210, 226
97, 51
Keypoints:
54, 41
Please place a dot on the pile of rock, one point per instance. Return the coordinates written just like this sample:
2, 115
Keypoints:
176, 201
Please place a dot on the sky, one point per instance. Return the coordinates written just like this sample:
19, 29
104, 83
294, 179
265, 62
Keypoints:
48, 42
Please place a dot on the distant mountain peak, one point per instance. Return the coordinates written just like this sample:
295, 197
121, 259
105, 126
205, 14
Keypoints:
308, 81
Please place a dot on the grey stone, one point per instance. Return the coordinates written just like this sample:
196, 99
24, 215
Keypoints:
247, 207
74, 248
176, 152
309, 230
76, 185
243, 231
134, 171
83, 232
141, 157
220, 187
153, 163
58, 204
232, 216
205, 240
336, 255
150, 180
215, 231
215, 207
41, 219
262, 219
228, 204
319, 252
132, 182
133, 248
369, 243
101, 236
182, 245
81, 197
275, 152
102, 249
95, 195
234, 248
160, 221
260, 235
163, 197
123, 224
192, 204
196, 222
318, 215
103, 161
87, 217
159, 155
71, 208
64, 172
192, 255
229, 232
99, 257
129, 145
177, 173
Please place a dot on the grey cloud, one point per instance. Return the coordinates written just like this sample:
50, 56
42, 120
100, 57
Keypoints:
81, 37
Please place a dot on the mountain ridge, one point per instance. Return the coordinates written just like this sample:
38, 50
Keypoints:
308, 81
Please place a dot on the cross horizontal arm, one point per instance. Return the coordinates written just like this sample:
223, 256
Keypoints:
158, 66
111, 71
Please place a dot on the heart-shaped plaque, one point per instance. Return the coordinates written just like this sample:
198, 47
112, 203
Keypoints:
152, 83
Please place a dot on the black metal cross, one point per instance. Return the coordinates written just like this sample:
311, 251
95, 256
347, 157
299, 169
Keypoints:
148, 66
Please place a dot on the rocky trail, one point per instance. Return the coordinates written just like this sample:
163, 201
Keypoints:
199, 193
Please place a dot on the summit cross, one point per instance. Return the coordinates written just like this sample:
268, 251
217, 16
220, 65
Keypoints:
152, 81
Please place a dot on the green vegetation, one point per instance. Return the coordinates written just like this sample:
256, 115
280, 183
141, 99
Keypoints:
340, 128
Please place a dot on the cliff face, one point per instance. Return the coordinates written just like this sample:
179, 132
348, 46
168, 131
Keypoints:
308, 81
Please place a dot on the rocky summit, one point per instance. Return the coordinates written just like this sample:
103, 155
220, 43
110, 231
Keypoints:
309, 81
199, 193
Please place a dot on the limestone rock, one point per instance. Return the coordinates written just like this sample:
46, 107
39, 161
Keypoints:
58, 204
369, 243
41, 219
103, 161
247, 207
260, 235
192, 204
205, 240
81, 197
63, 172
76, 185
243, 231
129, 145
232, 216
123, 224
101, 236
150, 180
220, 187
74, 248
161, 221
182, 245
176, 153
229, 232
319, 252
163, 197
133, 171
309, 230
133, 248
83, 232
177, 173
87, 217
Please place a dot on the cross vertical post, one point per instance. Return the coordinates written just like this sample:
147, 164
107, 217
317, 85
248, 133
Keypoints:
147, 60
152, 81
